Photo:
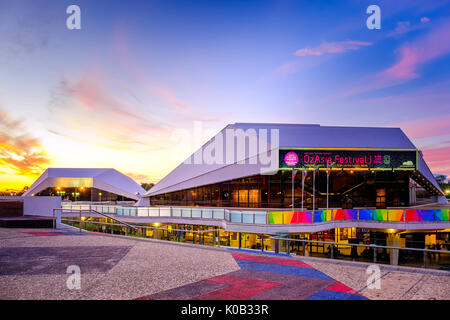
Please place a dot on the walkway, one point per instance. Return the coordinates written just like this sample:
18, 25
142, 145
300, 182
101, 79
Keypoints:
33, 265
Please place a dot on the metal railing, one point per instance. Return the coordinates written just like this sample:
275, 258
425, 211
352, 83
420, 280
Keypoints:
375, 251
140, 228
416, 257
80, 211
273, 217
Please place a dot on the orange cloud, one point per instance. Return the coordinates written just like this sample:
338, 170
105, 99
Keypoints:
20, 153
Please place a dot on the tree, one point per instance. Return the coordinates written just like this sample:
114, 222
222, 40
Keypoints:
147, 186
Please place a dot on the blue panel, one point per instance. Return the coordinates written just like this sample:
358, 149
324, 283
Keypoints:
427, 215
318, 216
366, 214
330, 295
277, 268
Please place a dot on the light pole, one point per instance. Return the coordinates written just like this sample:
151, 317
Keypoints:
293, 179
304, 172
329, 168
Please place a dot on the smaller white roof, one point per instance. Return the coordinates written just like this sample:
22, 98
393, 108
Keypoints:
106, 179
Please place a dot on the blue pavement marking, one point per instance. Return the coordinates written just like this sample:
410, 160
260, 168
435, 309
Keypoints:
71, 233
330, 295
282, 269
358, 297
284, 255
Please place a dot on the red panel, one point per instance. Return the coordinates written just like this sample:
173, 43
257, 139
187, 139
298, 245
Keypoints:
340, 214
284, 262
44, 234
412, 215
338, 286
295, 217
239, 288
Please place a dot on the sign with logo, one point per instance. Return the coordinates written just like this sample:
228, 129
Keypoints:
351, 159
291, 159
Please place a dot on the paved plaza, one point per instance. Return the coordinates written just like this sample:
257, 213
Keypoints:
33, 265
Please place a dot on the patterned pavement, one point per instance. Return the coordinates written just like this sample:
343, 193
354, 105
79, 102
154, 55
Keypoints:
263, 278
33, 265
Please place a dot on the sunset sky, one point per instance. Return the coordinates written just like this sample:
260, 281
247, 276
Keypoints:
119, 92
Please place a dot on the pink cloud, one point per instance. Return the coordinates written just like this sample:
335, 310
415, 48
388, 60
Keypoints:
436, 126
168, 96
438, 159
411, 56
406, 26
331, 47
405, 67
424, 49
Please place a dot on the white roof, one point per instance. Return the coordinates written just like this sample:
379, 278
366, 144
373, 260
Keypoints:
290, 136
109, 180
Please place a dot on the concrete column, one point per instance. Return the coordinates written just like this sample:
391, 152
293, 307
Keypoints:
394, 241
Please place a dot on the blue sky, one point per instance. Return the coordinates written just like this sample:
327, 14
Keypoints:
113, 93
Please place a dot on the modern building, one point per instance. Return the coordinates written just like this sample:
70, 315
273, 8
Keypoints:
238, 189
86, 184
346, 167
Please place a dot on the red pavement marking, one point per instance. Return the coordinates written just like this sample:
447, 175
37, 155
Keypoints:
239, 288
38, 234
340, 287
284, 262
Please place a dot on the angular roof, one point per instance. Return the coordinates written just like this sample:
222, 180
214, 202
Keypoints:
290, 136
109, 180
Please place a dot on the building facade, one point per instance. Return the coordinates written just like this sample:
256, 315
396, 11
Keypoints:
86, 184
316, 167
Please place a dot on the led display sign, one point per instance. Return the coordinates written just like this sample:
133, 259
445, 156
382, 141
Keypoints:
351, 159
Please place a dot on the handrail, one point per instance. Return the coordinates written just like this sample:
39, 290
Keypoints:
332, 246
96, 212
149, 227
196, 233
280, 216
358, 244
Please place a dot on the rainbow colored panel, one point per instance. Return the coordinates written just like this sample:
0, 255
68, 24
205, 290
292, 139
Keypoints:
351, 214
339, 214
395, 215
288, 217
366, 214
329, 215
380, 215
441, 214
412, 215
445, 214
426, 215
320, 216
275, 217
305, 217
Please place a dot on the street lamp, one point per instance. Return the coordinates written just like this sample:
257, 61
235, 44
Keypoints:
100, 196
